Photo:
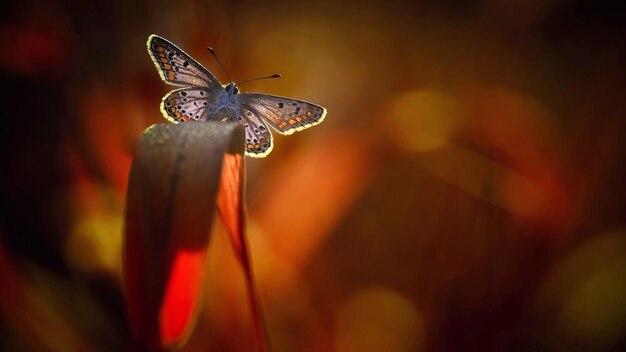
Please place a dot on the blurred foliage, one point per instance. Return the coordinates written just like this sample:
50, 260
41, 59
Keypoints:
466, 191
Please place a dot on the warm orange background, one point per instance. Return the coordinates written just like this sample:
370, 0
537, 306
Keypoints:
466, 191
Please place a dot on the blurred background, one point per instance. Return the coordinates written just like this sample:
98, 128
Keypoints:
465, 193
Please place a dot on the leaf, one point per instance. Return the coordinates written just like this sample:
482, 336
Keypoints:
231, 207
173, 185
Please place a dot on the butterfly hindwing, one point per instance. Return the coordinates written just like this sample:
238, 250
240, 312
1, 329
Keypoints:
187, 104
258, 136
176, 67
284, 114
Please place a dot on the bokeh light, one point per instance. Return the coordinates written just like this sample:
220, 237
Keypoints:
377, 319
423, 120
465, 191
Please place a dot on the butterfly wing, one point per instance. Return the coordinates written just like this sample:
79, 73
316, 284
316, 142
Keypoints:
194, 104
188, 104
258, 136
285, 115
178, 68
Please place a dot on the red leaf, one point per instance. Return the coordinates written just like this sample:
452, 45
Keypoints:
230, 204
170, 209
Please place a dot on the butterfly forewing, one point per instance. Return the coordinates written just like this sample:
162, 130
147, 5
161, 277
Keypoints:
187, 104
176, 67
283, 114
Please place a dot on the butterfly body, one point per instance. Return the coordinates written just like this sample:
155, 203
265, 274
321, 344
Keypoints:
204, 98
226, 107
232, 89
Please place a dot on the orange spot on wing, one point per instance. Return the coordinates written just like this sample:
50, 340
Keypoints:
282, 124
292, 122
309, 114
160, 49
167, 66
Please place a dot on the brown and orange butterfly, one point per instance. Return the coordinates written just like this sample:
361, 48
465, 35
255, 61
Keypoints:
204, 98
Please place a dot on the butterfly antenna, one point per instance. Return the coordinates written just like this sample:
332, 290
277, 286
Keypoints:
259, 78
219, 62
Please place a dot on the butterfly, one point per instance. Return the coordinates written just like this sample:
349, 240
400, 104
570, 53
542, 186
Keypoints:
204, 98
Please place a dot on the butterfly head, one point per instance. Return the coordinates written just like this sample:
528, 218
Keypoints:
232, 88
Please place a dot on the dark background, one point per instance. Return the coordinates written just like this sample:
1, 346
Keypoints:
466, 191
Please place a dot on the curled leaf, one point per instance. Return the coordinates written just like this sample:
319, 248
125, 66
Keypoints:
231, 207
173, 184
